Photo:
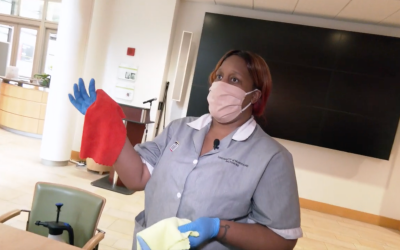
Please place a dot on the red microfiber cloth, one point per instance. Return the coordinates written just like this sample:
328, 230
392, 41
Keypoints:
104, 132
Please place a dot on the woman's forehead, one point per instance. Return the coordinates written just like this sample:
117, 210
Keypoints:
234, 63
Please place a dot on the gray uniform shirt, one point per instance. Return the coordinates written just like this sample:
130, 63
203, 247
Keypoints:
250, 178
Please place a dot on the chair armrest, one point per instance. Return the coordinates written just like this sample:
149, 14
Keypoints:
94, 241
5, 217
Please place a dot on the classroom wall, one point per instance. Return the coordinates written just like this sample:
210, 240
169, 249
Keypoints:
334, 177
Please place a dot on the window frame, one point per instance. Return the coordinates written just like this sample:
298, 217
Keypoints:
45, 48
43, 27
12, 39
14, 54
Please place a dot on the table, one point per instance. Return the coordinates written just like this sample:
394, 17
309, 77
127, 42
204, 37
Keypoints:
15, 239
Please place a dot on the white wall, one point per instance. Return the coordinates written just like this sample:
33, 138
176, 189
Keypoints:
119, 24
338, 178
146, 26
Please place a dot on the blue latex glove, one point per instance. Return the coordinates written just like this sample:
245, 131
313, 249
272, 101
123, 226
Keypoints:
207, 228
82, 100
142, 243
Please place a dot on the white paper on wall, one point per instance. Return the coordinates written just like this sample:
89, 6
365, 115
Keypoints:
126, 86
124, 93
127, 72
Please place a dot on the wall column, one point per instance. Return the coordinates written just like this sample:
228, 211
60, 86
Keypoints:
72, 40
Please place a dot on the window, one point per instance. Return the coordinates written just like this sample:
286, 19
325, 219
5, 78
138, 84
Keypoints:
53, 11
30, 28
31, 9
50, 53
6, 33
8, 7
26, 51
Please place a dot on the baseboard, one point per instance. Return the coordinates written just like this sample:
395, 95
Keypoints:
350, 214
75, 156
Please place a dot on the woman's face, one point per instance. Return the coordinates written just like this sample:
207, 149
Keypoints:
234, 71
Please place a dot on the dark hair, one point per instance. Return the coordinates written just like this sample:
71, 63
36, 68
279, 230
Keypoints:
259, 72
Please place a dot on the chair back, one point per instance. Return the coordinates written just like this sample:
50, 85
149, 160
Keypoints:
81, 210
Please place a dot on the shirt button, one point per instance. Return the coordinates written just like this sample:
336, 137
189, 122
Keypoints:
195, 161
178, 195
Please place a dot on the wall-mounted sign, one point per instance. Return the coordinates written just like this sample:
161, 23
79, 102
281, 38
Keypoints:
127, 72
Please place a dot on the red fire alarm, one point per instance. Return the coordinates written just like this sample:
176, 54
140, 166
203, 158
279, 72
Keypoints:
131, 52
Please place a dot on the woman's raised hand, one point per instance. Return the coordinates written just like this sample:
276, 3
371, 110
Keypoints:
82, 100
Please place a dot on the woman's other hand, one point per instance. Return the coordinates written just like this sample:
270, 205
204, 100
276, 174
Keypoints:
142, 243
82, 100
207, 228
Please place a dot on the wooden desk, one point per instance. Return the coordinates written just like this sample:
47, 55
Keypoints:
22, 109
136, 119
15, 239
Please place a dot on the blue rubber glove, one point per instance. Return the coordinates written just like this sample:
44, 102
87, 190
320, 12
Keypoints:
82, 100
142, 243
207, 228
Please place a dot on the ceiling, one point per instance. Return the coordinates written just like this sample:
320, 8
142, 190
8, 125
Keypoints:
386, 12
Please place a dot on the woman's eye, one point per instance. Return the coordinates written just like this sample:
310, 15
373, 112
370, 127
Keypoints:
219, 77
234, 80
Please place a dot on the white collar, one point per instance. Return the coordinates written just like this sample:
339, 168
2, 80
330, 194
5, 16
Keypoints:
241, 134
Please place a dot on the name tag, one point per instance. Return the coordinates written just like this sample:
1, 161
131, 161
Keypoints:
174, 146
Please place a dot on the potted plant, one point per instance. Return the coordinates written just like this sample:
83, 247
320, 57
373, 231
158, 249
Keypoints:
43, 79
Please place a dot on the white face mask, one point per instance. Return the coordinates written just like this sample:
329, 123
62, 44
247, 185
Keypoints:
225, 101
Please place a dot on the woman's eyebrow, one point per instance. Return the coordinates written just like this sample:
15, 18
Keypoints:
237, 72
219, 71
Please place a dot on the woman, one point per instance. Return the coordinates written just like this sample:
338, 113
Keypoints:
241, 193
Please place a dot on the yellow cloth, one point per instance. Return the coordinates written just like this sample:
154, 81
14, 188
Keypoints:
165, 235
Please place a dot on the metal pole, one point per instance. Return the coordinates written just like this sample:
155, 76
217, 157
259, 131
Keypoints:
161, 107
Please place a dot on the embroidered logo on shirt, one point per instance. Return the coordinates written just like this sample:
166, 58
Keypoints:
233, 161
174, 146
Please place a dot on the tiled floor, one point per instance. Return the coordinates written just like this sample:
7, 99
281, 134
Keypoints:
20, 169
